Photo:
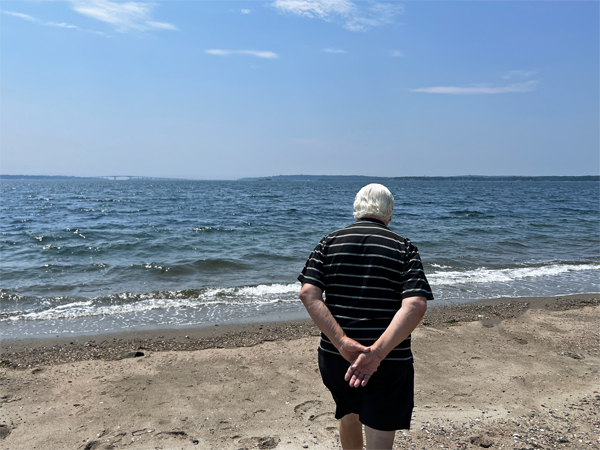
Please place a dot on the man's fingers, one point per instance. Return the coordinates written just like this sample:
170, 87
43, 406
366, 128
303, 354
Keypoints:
365, 380
349, 373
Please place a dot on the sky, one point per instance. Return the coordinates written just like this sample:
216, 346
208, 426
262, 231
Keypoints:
230, 89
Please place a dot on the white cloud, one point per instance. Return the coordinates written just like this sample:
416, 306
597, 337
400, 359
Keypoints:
316, 9
21, 16
334, 50
453, 90
161, 25
47, 23
519, 74
396, 54
347, 12
123, 16
258, 54
246, 11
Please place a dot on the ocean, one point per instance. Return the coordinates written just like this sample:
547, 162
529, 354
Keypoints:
98, 256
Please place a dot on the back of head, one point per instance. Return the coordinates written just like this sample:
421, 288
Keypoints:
374, 200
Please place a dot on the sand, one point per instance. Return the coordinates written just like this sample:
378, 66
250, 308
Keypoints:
509, 373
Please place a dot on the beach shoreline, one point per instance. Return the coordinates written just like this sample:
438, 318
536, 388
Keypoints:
65, 348
516, 373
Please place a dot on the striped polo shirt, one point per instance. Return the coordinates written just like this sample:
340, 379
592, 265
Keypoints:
365, 270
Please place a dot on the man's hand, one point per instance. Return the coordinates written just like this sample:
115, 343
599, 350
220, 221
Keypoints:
362, 368
351, 350
403, 323
312, 298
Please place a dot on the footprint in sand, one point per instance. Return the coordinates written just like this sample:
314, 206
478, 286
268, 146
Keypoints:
308, 409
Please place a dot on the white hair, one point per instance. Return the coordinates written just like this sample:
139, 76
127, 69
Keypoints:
374, 200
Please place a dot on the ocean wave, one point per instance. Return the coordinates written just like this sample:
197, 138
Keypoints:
484, 275
254, 297
252, 291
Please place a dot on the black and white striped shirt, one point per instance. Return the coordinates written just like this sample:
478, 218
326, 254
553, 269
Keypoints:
365, 270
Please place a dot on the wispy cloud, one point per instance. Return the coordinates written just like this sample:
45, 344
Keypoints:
396, 54
334, 50
123, 16
47, 23
521, 74
258, 54
245, 11
479, 89
346, 12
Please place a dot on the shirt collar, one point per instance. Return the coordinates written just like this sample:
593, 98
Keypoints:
370, 219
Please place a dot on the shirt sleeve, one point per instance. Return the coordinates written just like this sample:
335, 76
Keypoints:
414, 281
313, 269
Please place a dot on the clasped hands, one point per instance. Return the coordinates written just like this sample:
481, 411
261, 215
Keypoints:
364, 362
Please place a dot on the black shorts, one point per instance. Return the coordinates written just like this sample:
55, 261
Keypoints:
385, 403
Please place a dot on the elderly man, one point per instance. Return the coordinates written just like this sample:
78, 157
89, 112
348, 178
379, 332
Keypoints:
375, 295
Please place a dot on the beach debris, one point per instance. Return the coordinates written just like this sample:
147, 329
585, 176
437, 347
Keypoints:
131, 355
176, 433
571, 355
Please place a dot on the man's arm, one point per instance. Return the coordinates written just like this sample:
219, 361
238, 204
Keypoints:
404, 322
312, 298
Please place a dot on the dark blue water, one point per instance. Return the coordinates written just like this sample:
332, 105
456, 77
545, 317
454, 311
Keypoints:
96, 256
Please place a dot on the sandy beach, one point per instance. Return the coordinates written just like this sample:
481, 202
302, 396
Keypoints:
509, 373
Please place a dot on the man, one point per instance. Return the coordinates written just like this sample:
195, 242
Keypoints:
375, 295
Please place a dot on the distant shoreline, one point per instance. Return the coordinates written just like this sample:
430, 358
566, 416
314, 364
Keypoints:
364, 178
367, 178
100, 178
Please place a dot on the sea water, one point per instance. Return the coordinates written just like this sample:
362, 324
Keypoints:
95, 256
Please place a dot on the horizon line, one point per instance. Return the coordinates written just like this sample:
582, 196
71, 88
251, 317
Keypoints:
166, 178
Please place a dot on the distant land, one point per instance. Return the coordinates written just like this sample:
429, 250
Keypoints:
365, 178
349, 178
64, 177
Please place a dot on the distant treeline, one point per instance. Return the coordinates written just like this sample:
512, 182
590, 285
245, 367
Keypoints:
364, 178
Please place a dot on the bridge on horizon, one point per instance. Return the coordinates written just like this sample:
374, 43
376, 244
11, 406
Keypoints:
127, 177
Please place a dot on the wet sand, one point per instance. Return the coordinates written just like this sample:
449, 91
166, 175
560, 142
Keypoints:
508, 373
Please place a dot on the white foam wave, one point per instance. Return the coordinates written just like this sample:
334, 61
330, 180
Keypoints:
253, 291
248, 296
483, 275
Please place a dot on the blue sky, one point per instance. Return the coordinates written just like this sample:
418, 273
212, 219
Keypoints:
228, 89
